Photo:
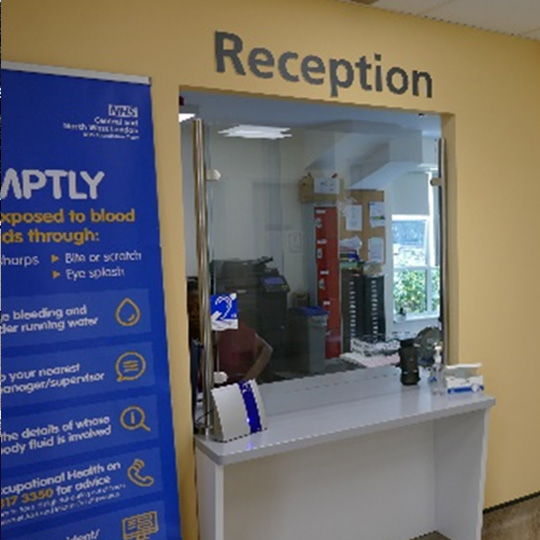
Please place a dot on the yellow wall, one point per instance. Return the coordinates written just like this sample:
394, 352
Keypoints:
489, 85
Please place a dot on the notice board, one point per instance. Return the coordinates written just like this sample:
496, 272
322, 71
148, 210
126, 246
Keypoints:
87, 436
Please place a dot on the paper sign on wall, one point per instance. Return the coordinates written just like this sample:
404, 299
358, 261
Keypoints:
377, 216
353, 217
376, 250
224, 312
326, 186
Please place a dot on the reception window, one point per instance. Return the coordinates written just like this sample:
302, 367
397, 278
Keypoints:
323, 226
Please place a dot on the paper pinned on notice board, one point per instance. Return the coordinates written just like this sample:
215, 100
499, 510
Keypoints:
376, 250
376, 214
353, 217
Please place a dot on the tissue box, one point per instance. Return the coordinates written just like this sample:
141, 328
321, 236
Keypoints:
463, 378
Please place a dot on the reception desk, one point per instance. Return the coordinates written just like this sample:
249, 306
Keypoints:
351, 456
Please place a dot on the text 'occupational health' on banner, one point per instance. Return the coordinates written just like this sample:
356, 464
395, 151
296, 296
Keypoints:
87, 437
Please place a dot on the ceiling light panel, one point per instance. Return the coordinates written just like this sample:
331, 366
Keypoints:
256, 132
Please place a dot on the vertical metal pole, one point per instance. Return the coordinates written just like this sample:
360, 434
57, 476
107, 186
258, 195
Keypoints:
443, 211
204, 274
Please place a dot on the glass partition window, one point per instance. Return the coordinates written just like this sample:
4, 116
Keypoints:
324, 228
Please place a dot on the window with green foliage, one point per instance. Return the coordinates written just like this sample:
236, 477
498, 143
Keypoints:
416, 274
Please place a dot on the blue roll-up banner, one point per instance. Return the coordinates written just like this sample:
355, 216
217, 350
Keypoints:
87, 436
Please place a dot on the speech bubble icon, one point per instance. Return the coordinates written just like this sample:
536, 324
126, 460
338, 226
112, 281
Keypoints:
130, 366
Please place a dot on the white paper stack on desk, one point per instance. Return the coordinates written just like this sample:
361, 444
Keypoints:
378, 360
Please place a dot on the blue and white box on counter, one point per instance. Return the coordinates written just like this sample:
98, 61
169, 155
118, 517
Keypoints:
239, 411
464, 378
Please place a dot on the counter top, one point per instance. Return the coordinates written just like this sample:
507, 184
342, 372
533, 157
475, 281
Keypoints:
309, 412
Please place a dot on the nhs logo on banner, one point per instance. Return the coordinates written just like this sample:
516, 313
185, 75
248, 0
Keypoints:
224, 312
123, 111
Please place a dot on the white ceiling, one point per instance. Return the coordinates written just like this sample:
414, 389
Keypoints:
229, 110
516, 17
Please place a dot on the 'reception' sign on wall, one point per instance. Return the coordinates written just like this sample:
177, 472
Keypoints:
364, 73
87, 438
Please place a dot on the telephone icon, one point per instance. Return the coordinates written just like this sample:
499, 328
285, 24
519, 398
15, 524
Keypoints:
134, 474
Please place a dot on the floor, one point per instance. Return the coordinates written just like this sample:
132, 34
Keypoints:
515, 522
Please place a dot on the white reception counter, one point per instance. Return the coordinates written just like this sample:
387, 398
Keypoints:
353, 455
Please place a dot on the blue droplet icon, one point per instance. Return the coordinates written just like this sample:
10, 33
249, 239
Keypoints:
128, 313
